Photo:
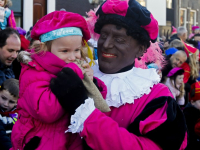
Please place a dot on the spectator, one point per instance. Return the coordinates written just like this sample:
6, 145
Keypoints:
10, 45
192, 115
9, 19
177, 44
195, 41
181, 34
172, 61
175, 83
195, 30
192, 66
9, 94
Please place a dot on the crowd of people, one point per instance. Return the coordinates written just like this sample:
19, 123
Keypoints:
102, 82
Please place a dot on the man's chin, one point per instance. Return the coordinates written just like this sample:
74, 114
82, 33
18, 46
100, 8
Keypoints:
8, 63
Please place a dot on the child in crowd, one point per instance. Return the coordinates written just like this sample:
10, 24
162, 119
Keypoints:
9, 94
175, 83
7, 15
62, 35
195, 30
192, 116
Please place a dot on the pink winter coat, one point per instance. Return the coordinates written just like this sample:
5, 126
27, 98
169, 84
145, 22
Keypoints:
40, 113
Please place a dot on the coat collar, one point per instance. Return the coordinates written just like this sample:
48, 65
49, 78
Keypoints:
48, 62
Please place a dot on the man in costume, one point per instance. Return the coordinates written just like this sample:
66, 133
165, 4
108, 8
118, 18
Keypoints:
143, 113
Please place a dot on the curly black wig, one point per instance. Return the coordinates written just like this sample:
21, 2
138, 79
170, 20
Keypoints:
133, 29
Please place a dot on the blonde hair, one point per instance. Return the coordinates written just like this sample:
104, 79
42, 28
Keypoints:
194, 67
176, 43
6, 2
42, 47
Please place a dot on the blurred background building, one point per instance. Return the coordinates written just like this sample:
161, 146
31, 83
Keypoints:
167, 12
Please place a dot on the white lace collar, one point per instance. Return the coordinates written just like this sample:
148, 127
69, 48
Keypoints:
127, 86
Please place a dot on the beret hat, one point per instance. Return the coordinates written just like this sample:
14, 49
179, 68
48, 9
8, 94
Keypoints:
57, 20
131, 10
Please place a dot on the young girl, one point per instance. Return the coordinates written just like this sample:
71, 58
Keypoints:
175, 83
40, 113
9, 19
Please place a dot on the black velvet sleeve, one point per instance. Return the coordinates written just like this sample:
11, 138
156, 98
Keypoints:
95, 82
170, 134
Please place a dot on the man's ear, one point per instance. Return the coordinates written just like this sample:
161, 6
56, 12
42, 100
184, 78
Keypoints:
141, 51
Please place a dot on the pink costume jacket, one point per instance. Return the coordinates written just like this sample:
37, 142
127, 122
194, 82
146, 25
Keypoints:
11, 20
40, 113
152, 122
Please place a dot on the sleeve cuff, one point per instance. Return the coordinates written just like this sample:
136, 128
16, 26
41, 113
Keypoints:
81, 114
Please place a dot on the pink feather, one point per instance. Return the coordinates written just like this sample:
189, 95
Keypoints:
91, 20
153, 55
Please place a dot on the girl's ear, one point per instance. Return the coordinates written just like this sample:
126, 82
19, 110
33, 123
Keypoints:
42, 46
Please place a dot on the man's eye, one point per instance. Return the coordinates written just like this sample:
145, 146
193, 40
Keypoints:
10, 51
119, 40
4, 98
12, 102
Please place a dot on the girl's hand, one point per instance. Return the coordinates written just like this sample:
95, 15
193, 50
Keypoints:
88, 70
79, 65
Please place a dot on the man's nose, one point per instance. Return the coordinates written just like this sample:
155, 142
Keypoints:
5, 103
14, 55
108, 43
